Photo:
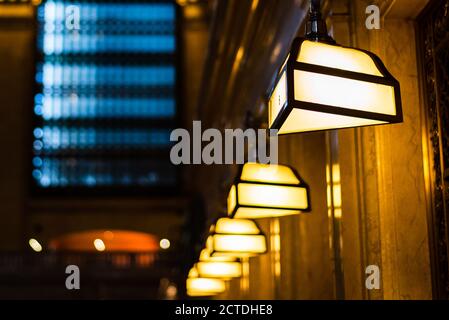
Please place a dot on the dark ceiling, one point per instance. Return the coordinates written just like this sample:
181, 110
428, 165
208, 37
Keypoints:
248, 42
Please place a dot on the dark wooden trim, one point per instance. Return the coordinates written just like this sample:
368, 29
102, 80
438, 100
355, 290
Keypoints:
438, 212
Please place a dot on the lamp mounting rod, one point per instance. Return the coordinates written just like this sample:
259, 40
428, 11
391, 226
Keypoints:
315, 5
316, 29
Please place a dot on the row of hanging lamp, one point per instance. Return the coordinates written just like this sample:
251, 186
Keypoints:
229, 240
323, 86
259, 191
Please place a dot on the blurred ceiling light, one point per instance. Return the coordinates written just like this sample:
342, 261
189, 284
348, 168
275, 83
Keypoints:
99, 245
35, 245
263, 190
171, 292
323, 86
164, 244
238, 238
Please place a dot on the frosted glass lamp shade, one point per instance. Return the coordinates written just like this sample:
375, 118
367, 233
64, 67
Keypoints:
203, 287
324, 86
239, 238
266, 190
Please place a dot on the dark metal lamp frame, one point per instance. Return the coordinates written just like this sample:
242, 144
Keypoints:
213, 233
250, 253
301, 184
316, 30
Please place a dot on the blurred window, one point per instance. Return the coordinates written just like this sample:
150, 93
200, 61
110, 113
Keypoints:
106, 95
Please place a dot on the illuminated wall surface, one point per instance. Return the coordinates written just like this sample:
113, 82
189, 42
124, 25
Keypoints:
106, 99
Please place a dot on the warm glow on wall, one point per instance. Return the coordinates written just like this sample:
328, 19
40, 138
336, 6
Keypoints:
236, 238
324, 86
263, 190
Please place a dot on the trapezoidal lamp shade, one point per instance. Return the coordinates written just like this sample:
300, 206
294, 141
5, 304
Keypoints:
224, 268
239, 238
323, 86
203, 287
267, 190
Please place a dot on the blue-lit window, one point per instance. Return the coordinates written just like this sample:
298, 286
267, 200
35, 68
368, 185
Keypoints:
106, 99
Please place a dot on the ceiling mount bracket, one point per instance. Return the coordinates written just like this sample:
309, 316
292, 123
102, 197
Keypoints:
316, 29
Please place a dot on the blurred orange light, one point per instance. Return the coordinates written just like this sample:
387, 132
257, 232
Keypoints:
113, 241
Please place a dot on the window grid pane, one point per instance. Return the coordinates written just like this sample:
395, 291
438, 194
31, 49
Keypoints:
106, 100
